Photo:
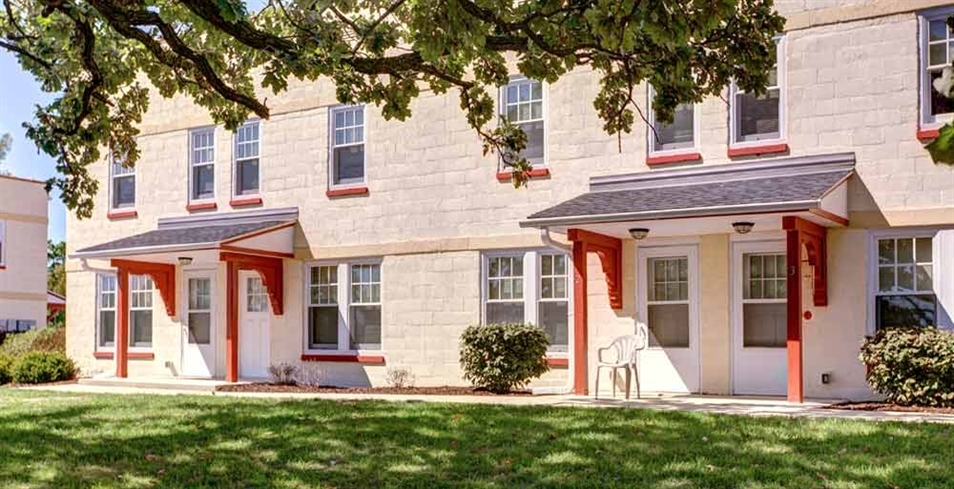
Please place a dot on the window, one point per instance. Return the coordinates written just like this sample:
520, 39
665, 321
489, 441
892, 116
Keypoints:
200, 311
106, 307
3, 242
122, 186
764, 289
202, 162
246, 159
677, 136
760, 118
522, 104
347, 146
256, 295
344, 307
323, 308
905, 294
937, 53
668, 302
529, 287
140, 311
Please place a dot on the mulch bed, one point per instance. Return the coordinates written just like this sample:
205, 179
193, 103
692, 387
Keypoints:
430, 391
887, 406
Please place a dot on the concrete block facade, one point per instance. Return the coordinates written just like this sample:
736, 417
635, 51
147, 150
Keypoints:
434, 208
23, 220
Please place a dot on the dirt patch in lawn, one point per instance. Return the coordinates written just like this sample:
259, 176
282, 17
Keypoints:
887, 406
430, 391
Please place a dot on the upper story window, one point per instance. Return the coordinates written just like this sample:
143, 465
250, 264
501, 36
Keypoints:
140, 311
347, 146
529, 287
681, 135
756, 119
106, 307
247, 170
122, 185
202, 164
521, 102
3, 243
937, 53
344, 306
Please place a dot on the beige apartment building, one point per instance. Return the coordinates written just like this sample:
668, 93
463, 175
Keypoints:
23, 221
760, 239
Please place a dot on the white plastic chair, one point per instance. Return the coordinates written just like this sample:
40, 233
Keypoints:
626, 349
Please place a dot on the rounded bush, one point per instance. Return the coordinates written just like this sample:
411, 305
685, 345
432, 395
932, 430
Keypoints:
39, 367
6, 367
501, 357
911, 366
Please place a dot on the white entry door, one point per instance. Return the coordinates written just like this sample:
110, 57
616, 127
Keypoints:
254, 316
668, 303
198, 325
759, 318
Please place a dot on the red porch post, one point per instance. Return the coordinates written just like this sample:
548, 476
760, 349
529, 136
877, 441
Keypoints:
231, 322
793, 258
579, 319
122, 325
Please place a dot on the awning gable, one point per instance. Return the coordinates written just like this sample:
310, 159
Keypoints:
772, 186
181, 236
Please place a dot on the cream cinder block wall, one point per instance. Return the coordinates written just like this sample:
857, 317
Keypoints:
433, 198
23, 210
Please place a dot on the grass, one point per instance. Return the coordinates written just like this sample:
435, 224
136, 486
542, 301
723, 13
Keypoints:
54, 440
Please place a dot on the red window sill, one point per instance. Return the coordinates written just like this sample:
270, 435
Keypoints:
239, 202
205, 206
506, 176
758, 150
122, 215
558, 362
3, 267
341, 192
370, 359
928, 134
133, 355
668, 159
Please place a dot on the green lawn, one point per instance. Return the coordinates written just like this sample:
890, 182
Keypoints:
60, 441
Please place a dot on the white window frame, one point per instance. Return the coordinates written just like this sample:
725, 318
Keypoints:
344, 307
151, 293
110, 194
651, 134
331, 146
689, 301
193, 165
3, 243
532, 269
743, 256
942, 268
782, 80
545, 116
928, 121
236, 160
100, 309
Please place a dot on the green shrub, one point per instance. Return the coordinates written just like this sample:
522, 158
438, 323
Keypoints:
47, 339
911, 366
6, 367
500, 357
42, 366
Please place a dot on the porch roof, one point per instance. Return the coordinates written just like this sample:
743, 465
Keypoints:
205, 232
771, 186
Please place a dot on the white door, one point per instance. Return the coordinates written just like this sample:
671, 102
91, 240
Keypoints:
254, 318
668, 302
759, 318
198, 325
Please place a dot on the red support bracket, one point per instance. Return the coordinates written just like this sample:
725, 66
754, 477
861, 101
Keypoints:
610, 251
271, 271
162, 274
814, 239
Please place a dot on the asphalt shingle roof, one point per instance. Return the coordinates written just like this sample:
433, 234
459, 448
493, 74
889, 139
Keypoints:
183, 236
767, 190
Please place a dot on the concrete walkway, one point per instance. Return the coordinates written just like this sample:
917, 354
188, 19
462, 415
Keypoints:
749, 406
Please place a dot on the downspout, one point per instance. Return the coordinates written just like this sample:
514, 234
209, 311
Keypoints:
567, 389
84, 265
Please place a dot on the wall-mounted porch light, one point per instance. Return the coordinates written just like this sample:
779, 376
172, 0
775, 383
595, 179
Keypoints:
639, 233
185, 260
743, 227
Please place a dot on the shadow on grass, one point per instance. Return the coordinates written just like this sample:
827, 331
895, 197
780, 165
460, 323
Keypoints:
139, 441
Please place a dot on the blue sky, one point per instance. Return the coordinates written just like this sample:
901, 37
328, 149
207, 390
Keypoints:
19, 93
